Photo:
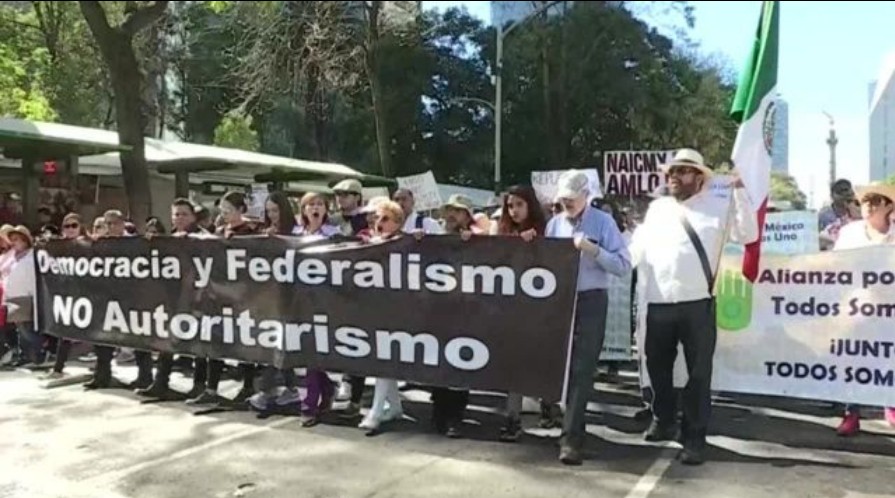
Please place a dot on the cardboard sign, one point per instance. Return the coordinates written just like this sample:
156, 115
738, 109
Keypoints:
425, 190
634, 173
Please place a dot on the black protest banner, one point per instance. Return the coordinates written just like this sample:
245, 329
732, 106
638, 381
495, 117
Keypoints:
633, 173
490, 313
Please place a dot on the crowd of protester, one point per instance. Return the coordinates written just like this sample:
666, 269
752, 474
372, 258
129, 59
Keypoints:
674, 289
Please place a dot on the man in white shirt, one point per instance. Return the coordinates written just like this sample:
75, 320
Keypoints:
414, 221
678, 285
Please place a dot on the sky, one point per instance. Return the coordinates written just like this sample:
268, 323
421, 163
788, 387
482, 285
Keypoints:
829, 54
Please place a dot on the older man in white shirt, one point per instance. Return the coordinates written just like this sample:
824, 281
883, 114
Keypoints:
413, 221
677, 250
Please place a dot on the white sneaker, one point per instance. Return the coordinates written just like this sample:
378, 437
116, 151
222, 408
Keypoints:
369, 423
344, 392
259, 401
6, 359
288, 397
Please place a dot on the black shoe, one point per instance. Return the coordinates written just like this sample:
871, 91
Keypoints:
692, 455
453, 432
551, 416
140, 384
243, 395
157, 391
511, 430
204, 398
570, 456
97, 383
658, 432
196, 391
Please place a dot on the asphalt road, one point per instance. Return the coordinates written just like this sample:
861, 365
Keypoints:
65, 442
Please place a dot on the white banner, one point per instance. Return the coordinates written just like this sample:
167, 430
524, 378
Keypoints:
257, 199
816, 326
545, 184
634, 173
425, 190
617, 341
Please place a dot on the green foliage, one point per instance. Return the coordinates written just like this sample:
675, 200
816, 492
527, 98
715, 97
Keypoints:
22, 83
235, 131
890, 180
785, 189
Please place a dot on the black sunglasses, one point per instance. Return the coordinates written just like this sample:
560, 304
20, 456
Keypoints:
71, 225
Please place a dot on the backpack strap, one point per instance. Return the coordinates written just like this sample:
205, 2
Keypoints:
700, 251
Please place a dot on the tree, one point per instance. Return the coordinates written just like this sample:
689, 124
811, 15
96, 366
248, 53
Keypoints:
785, 189
235, 131
116, 44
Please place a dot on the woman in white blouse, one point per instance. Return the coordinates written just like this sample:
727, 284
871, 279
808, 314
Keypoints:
874, 228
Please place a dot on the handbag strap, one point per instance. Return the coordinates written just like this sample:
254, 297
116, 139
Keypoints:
700, 250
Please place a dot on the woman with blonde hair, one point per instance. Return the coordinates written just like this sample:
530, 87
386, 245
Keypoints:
386, 406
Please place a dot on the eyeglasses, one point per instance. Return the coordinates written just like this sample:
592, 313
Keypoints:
71, 225
682, 171
875, 200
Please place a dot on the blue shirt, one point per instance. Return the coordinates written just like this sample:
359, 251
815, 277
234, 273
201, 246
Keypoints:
600, 228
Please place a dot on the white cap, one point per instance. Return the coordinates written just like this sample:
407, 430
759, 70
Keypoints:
572, 184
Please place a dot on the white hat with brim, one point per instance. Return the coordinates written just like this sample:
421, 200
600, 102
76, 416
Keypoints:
22, 231
689, 158
887, 191
461, 202
571, 185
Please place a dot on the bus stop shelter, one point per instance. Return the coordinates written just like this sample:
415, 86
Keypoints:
33, 142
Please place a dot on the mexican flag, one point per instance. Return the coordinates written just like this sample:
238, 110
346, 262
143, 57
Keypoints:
754, 108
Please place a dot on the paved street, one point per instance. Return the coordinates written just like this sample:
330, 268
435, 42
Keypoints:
64, 442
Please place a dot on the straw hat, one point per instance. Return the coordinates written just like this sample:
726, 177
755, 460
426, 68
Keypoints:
461, 202
20, 230
881, 189
690, 158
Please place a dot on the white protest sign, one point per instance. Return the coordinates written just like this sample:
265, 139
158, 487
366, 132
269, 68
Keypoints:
815, 326
634, 173
545, 184
790, 232
257, 199
617, 338
425, 190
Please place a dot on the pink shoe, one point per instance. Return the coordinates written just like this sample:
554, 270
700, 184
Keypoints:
890, 416
851, 425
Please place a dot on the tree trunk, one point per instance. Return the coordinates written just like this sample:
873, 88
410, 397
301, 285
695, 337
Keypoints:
126, 81
116, 46
373, 75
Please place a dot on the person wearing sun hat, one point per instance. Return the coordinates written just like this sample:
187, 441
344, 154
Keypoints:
676, 252
596, 235
19, 291
874, 228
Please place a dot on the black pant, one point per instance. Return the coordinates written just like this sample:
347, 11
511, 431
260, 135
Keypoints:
448, 406
590, 330
693, 325
62, 353
216, 368
357, 383
166, 363
103, 370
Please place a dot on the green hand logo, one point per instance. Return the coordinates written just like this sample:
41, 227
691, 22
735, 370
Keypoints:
734, 301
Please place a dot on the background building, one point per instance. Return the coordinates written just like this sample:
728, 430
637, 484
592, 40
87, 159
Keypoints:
780, 152
882, 120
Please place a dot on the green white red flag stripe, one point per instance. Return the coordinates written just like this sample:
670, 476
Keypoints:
754, 107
